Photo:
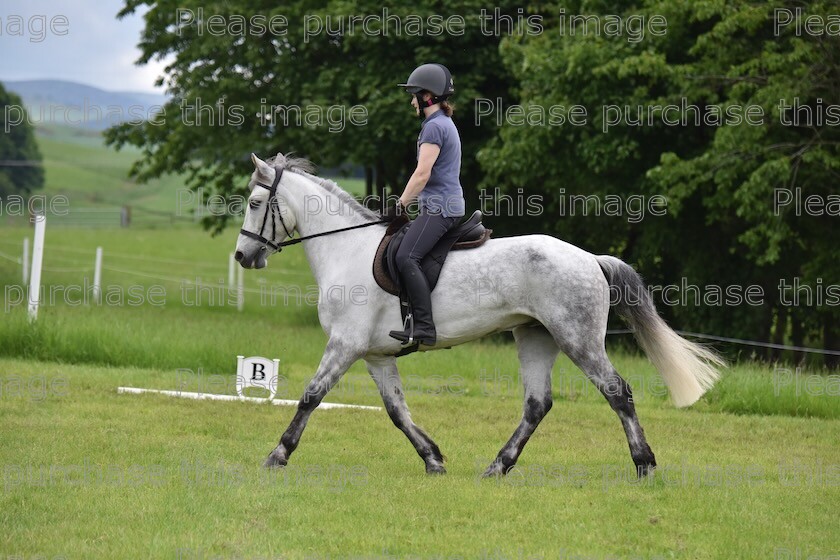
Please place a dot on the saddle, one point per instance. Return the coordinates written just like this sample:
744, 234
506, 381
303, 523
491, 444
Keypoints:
467, 235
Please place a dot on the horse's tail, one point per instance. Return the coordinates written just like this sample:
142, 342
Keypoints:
687, 368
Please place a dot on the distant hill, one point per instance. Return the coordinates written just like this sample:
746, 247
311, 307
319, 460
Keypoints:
72, 104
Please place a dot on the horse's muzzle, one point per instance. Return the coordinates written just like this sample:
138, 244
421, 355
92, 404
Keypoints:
258, 260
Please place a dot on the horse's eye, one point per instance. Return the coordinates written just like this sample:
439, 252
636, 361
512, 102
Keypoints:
254, 204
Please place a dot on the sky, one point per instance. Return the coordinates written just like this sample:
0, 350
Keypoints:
93, 48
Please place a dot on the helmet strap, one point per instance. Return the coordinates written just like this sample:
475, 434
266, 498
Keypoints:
423, 103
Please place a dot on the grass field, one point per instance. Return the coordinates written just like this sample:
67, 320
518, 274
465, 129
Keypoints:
88, 473
78, 165
94, 179
751, 471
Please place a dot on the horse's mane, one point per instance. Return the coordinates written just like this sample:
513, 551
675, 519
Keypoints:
305, 167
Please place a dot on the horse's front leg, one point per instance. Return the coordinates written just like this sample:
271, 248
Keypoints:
383, 370
337, 359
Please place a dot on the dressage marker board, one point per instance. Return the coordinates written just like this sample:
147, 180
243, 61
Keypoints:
250, 372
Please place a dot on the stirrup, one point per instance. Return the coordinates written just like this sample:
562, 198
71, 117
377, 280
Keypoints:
408, 327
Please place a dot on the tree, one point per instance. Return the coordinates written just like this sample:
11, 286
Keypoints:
720, 178
21, 171
298, 65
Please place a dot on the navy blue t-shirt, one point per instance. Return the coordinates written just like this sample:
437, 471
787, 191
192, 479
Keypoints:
442, 193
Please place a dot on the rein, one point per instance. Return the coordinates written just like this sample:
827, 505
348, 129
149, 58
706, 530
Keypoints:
273, 204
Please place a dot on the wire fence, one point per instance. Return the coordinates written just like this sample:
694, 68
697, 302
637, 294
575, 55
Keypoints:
61, 261
213, 275
107, 217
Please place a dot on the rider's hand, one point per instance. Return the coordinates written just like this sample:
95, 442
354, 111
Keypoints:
393, 211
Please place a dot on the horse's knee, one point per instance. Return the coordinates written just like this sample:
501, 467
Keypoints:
309, 401
536, 409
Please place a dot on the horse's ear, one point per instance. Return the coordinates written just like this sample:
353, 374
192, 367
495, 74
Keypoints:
261, 166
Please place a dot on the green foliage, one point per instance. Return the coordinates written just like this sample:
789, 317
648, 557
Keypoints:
21, 173
722, 227
322, 70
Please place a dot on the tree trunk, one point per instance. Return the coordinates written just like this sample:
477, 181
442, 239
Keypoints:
779, 332
831, 340
368, 182
766, 328
380, 183
798, 337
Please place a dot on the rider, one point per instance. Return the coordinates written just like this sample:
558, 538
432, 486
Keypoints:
436, 185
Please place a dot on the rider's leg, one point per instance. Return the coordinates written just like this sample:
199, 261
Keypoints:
420, 238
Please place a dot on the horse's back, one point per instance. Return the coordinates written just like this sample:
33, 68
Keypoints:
534, 251
539, 266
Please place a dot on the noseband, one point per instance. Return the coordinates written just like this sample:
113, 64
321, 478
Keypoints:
271, 205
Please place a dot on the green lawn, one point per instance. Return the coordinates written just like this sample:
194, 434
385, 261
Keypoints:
88, 473
750, 471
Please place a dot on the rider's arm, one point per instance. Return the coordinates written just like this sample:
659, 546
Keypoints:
425, 160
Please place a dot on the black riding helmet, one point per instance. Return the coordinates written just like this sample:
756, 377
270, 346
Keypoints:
434, 78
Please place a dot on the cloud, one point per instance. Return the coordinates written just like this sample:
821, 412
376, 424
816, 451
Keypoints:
98, 49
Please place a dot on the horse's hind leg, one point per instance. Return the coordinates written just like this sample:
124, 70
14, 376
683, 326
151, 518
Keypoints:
537, 353
383, 370
598, 368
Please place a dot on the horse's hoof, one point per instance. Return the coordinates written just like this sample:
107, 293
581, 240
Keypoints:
495, 470
645, 463
435, 469
645, 469
275, 462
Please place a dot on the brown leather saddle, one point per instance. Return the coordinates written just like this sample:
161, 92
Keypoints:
469, 234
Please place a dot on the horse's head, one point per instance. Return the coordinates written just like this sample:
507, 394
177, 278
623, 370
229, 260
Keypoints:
268, 220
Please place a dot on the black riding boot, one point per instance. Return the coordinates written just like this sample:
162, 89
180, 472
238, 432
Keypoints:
415, 283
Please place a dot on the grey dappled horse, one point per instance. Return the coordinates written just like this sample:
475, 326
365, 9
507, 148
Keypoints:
553, 296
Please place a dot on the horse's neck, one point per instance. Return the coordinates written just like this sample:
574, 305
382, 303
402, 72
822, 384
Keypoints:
317, 211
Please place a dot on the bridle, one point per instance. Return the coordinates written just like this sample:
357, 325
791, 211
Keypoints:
272, 205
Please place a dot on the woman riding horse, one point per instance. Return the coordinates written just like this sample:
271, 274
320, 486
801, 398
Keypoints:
436, 185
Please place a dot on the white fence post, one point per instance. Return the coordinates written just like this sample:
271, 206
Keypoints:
97, 276
25, 260
231, 267
240, 289
37, 259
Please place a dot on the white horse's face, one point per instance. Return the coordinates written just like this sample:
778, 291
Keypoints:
267, 223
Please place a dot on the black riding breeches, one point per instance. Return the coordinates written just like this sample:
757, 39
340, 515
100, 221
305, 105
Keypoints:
421, 236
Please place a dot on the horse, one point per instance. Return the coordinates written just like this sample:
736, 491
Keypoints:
553, 296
